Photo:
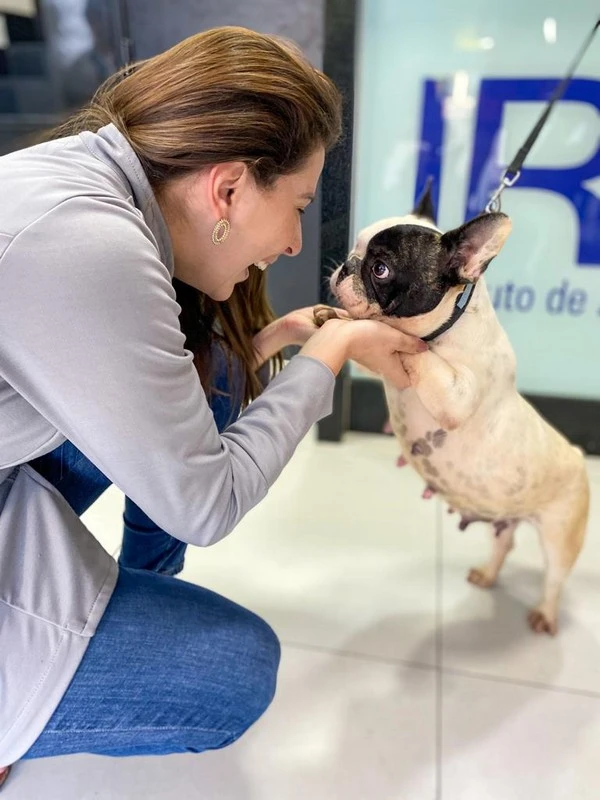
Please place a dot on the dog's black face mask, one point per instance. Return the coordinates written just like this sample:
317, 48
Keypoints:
405, 269
401, 271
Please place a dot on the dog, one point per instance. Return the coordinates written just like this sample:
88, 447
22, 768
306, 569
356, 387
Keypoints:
461, 424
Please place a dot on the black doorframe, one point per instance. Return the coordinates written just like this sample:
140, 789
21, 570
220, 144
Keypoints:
359, 403
339, 52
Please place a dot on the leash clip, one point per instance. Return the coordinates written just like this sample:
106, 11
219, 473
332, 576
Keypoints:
495, 204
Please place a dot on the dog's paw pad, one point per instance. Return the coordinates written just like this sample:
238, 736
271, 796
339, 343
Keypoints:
539, 623
401, 461
480, 578
428, 493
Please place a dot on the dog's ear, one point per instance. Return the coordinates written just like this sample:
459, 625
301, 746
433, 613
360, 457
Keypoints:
424, 207
466, 251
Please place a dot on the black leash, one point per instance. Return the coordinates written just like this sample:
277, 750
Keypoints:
511, 176
513, 171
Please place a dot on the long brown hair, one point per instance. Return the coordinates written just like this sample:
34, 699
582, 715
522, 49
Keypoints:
227, 94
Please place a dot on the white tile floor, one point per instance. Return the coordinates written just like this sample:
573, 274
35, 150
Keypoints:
399, 680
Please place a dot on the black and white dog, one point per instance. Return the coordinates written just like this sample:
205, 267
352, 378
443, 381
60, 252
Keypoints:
462, 424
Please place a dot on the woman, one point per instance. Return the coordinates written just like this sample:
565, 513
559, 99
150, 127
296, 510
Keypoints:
127, 253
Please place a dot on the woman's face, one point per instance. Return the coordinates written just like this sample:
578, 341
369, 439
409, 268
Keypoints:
265, 223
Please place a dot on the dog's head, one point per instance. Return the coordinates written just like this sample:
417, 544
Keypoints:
404, 267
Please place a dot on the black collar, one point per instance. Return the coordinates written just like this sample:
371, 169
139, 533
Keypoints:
462, 301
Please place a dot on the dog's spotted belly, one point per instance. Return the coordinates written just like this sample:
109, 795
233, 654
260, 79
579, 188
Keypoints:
468, 493
470, 478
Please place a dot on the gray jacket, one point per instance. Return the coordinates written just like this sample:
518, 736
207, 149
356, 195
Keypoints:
91, 351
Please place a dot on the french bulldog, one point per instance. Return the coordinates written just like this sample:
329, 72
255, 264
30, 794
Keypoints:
462, 424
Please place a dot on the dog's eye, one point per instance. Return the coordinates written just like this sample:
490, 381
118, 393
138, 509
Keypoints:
380, 271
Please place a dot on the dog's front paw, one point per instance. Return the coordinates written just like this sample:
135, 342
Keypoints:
540, 623
322, 313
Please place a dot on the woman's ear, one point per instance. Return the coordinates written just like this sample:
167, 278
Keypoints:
224, 181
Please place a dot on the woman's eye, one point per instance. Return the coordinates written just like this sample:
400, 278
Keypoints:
380, 271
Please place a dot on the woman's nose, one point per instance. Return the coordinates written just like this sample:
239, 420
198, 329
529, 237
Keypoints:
296, 245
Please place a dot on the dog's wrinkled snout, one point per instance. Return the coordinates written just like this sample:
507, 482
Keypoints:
349, 267
342, 273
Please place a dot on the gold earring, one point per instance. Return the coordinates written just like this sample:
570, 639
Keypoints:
221, 231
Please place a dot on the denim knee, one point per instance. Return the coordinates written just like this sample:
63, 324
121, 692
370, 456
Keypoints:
253, 669
267, 655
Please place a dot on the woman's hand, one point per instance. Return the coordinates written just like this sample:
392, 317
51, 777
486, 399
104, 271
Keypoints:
294, 328
300, 325
372, 344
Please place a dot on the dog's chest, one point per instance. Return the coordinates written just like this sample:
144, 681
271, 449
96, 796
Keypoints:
426, 445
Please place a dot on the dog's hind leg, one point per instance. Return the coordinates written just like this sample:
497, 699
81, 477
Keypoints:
562, 531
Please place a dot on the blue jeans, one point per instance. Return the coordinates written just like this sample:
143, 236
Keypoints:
173, 667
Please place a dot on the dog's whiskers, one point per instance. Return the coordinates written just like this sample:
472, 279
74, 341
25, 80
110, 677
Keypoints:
328, 298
